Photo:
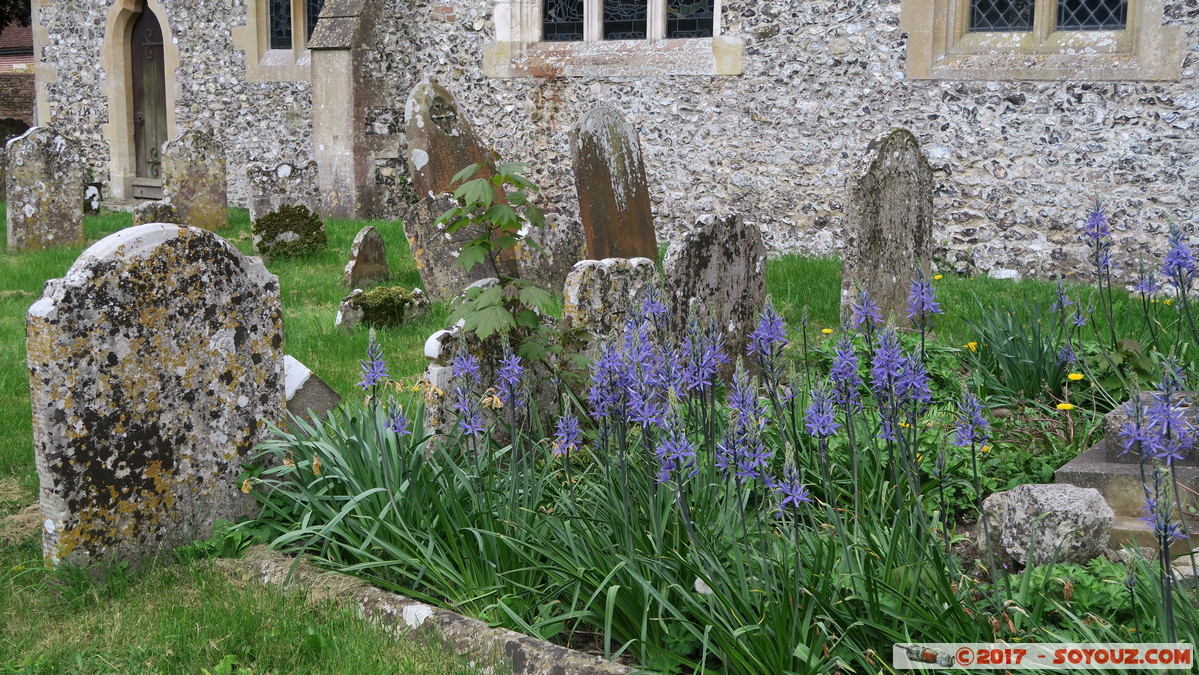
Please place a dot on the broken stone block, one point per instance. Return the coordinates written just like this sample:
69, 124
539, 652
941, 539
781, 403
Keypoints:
194, 179
307, 395
368, 260
154, 365
45, 178
284, 185
1055, 522
599, 294
155, 212
380, 307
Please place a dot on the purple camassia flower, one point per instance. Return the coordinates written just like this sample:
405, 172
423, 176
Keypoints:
793, 493
470, 415
820, 420
1098, 237
397, 423
675, 451
844, 376
647, 375
1079, 320
915, 385
466, 368
885, 371
865, 315
971, 427
1179, 264
652, 307
1160, 517
567, 438
1146, 283
742, 450
608, 393
769, 337
1066, 355
702, 354
922, 301
1063, 300
374, 368
1167, 432
510, 374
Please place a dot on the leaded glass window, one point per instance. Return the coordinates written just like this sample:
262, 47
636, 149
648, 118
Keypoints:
625, 19
1000, 15
562, 20
312, 12
279, 14
686, 19
1092, 14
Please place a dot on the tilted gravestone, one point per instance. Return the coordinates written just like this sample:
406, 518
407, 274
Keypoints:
154, 365
368, 260
306, 394
720, 264
613, 191
284, 185
155, 212
45, 191
889, 226
436, 252
599, 294
193, 178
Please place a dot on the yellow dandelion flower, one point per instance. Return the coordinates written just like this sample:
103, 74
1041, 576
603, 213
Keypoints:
1065, 406
985, 448
245, 486
905, 425
1074, 377
972, 346
826, 331
1168, 301
938, 277
316, 465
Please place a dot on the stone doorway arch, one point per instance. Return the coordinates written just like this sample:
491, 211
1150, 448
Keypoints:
140, 61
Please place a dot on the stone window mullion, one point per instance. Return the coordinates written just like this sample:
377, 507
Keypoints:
593, 20
656, 20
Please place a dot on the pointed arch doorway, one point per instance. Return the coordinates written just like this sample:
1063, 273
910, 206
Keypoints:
148, 84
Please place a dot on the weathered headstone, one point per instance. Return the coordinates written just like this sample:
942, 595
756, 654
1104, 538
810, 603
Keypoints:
288, 232
441, 141
284, 185
599, 294
889, 226
193, 178
10, 128
155, 212
613, 191
368, 260
306, 394
45, 191
154, 365
559, 246
380, 307
721, 264
436, 252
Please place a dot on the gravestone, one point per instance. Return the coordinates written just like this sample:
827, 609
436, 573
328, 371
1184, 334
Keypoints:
598, 294
559, 245
154, 365
368, 260
45, 191
193, 178
307, 395
613, 191
436, 252
155, 212
288, 232
284, 185
380, 307
10, 128
889, 226
721, 264
441, 141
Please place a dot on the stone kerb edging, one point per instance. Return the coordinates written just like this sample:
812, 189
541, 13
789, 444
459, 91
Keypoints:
466, 636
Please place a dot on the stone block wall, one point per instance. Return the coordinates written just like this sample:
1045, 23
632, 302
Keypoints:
16, 96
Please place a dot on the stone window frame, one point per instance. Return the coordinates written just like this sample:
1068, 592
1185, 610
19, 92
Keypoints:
941, 46
518, 50
264, 64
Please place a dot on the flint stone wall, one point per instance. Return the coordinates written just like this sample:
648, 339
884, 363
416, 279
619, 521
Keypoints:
152, 365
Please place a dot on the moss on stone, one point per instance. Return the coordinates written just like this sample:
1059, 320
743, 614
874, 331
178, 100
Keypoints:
384, 306
289, 232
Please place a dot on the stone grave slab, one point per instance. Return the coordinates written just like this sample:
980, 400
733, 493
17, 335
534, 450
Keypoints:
613, 192
306, 394
441, 141
284, 185
368, 260
889, 226
155, 212
10, 128
44, 191
194, 179
152, 365
436, 252
599, 294
721, 264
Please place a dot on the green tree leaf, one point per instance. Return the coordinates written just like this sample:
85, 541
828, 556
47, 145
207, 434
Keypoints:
535, 297
471, 255
477, 192
488, 320
465, 173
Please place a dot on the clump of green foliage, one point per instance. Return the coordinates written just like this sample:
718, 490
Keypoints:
298, 220
385, 306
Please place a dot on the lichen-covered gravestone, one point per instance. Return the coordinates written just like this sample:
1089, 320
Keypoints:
45, 191
155, 212
284, 185
154, 365
599, 294
436, 252
10, 128
720, 264
441, 141
193, 178
889, 226
613, 191
368, 260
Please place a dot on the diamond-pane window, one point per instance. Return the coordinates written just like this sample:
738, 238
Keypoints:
686, 19
625, 19
1000, 15
1092, 14
279, 12
562, 21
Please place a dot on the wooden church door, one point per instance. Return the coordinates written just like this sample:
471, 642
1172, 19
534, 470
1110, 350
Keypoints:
149, 104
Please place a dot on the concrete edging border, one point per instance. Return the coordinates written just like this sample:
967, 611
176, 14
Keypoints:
464, 635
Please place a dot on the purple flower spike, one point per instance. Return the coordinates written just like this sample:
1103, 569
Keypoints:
819, 420
1063, 300
465, 368
770, 335
567, 438
374, 368
1179, 264
922, 301
1159, 514
972, 425
844, 375
397, 423
510, 375
793, 493
865, 315
1098, 237
606, 396
1146, 284
675, 452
